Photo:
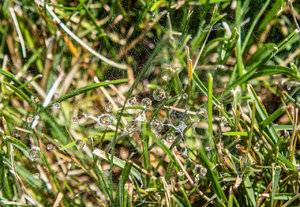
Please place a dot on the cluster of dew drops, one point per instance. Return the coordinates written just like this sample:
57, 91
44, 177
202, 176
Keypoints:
107, 120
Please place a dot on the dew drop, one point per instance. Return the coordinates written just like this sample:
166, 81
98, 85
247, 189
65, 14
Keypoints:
105, 119
29, 119
34, 154
181, 127
132, 101
180, 174
202, 170
80, 144
286, 133
238, 146
56, 105
108, 107
185, 96
159, 94
74, 120
35, 99
146, 102
157, 125
170, 138
131, 128
140, 117
49, 147
165, 77
184, 152
197, 177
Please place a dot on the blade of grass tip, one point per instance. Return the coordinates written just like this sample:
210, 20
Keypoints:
262, 114
11, 77
276, 114
271, 13
238, 22
146, 148
212, 173
267, 70
200, 85
20, 93
86, 89
249, 190
76, 38
102, 182
257, 17
124, 177
19, 33
185, 198
251, 133
275, 181
210, 112
213, 21
6, 182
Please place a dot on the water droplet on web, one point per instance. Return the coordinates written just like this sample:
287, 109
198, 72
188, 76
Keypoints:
201, 169
197, 177
165, 77
49, 147
16, 134
29, 119
105, 119
170, 138
131, 128
108, 107
184, 152
74, 120
56, 105
159, 94
156, 126
34, 153
185, 96
176, 116
181, 127
80, 144
180, 174
238, 146
35, 99
208, 148
132, 101
146, 102
140, 117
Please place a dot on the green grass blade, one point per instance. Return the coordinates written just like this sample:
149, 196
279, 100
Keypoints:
262, 113
124, 177
276, 114
86, 89
276, 170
